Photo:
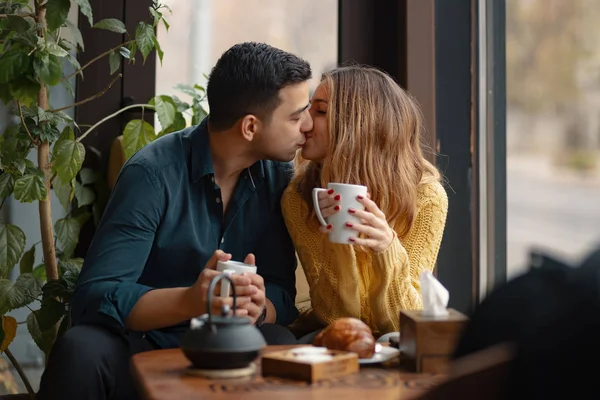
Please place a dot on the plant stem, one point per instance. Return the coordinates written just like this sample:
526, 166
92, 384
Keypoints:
43, 156
19, 369
103, 120
35, 142
100, 93
93, 60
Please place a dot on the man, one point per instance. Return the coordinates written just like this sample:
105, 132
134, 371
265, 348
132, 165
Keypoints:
180, 204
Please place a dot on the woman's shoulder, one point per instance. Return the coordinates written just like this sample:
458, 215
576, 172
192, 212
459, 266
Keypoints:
432, 191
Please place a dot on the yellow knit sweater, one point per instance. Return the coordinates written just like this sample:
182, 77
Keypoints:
345, 281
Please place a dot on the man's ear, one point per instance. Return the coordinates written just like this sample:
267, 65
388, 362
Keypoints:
250, 126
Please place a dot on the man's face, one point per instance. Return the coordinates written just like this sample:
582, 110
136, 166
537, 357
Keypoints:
283, 136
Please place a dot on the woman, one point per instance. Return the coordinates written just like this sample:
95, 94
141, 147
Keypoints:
367, 130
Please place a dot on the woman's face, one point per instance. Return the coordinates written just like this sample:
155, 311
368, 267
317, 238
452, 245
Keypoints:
317, 139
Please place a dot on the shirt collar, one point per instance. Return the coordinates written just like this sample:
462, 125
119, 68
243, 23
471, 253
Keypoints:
202, 159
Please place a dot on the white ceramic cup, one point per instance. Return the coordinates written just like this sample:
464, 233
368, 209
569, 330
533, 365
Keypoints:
231, 268
340, 233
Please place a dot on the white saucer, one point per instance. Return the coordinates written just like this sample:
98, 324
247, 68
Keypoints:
382, 353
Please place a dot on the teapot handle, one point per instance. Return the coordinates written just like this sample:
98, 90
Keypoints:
211, 289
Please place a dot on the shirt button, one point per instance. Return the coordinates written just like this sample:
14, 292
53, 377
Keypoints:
218, 200
212, 178
222, 240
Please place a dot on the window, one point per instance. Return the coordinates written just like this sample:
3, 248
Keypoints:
553, 129
202, 30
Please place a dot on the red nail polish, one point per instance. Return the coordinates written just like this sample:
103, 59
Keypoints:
351, 239
330, 191
329, 226
348, 224
336, 208
351, 210
360, 197
337, 197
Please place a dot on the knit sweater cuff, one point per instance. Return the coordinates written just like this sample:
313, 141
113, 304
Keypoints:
393, 257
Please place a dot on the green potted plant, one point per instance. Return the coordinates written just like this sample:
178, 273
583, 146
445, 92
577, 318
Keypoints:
32, 55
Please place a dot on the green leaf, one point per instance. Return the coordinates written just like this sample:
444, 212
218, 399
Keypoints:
55, 49
182, 106
86, 9
144, 37
48, 132
198, 113
87, 176
111, 24
50, 313
158, 50
75, 64
43, 339
13, 64
165, 109
67, 233
76, 34
114, 61
40, 272
64, 191
20, 165
156, 16
85, 196
7, 184
179, 124
24, 89
27, 261
17, 24
20, 293
12, 244
66, 134
30, 188
125, 52
61, 116
187, 89
57, 12
69, 156
55, 288
137, 134
5, 94
48, 68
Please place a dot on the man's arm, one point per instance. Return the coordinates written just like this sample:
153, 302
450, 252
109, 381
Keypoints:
107, 286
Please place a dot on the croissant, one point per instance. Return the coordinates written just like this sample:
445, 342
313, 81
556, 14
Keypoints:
347, 334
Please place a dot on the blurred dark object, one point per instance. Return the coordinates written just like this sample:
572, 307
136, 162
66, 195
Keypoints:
552, 317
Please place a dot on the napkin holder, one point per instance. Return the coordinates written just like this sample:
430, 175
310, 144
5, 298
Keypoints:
427, 343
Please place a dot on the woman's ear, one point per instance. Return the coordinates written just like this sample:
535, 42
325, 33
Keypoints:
250, 126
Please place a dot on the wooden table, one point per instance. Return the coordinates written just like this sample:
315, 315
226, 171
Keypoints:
160, 375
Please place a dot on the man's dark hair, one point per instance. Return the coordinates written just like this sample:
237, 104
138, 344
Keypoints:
247, 79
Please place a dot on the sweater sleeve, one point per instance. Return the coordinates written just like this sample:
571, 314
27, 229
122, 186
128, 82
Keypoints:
395, 271
331, 269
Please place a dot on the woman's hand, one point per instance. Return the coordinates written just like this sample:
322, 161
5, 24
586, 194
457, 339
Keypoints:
329, 205
374, 226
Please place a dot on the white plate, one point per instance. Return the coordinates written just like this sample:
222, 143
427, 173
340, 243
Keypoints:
382, 353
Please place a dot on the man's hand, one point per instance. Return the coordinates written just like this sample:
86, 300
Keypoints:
197, 294
255, 307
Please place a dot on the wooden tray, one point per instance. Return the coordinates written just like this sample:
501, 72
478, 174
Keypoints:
287, 364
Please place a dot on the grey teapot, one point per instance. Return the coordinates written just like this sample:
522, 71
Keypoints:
221, 341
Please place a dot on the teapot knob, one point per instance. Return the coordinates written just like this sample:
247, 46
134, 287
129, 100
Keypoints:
225, 310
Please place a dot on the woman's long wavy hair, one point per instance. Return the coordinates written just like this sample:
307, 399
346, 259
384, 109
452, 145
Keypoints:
375, 132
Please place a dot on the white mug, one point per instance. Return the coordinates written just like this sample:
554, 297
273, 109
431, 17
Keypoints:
340, 233
229, 268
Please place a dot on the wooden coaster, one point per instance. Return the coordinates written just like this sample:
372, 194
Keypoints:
222, 373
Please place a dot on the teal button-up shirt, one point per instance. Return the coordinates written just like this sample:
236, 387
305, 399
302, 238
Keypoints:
164, 220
